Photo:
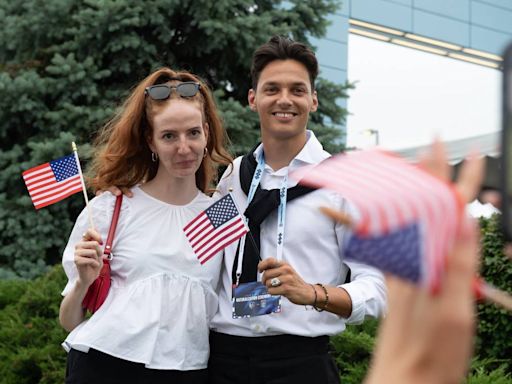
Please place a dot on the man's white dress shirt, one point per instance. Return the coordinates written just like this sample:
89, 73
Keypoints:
313, 246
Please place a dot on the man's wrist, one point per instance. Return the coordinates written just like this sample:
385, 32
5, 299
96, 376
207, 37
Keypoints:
314, 299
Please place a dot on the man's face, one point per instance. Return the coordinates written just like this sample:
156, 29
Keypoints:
283, 99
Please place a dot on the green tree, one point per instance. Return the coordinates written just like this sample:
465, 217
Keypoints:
67, 64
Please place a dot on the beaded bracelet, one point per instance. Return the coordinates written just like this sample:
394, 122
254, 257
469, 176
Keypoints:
324, 306
316, 297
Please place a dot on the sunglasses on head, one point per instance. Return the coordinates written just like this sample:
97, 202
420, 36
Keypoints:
163, 91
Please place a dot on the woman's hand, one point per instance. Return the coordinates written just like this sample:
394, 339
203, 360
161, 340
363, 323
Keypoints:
88, 261
89, 257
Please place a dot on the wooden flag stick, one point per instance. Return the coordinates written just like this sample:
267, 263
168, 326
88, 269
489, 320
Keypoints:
340, 217
496, 296
89, 209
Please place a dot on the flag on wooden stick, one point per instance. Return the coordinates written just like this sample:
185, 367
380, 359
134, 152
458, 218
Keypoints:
215, 228
51, 182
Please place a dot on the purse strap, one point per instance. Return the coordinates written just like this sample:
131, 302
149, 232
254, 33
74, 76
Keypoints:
113, 225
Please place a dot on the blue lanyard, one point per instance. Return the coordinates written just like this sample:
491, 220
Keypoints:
281, 213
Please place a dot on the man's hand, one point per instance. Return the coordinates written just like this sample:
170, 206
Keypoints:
291, 286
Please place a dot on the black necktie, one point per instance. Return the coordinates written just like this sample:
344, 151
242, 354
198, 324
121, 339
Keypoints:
264, 202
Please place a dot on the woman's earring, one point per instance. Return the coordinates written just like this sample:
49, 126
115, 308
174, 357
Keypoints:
154, 157
205, 152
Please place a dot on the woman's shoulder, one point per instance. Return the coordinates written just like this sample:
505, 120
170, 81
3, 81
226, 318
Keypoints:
202, 200
103, 199
105, 203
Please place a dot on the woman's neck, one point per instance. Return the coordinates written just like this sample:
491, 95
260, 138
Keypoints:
178, 191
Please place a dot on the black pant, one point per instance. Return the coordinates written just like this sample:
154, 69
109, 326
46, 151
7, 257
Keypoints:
283, 359
96, 367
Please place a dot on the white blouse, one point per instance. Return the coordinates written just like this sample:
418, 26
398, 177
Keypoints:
161, 299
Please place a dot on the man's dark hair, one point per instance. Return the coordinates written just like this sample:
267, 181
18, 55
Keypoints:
283, 48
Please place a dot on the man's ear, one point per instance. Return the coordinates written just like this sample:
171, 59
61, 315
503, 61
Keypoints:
251, 97
314, 106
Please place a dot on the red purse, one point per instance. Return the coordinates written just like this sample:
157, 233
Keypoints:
98, 290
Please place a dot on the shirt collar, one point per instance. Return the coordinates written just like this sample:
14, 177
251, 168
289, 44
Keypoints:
311, 153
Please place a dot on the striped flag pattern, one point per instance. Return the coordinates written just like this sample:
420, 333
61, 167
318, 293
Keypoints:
51, 182
215, 228
407, 218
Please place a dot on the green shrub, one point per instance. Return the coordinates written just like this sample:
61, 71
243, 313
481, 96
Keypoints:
11, 291
494, 324
489, 371
353, 349
30, 334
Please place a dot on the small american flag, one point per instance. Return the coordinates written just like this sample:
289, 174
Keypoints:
51, 182
215, 228
407, 218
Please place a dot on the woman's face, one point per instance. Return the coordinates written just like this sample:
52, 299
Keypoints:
179, 138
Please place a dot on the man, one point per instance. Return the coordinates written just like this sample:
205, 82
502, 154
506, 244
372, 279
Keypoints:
300, 249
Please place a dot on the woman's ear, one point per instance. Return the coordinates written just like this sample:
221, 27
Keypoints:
149, 141
206, 129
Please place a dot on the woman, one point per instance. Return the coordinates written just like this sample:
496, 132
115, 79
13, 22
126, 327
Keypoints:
153, 327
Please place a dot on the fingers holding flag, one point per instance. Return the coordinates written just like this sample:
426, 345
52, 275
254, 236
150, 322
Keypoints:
89, 256
91, 235
470, 177
461, 269
435, 161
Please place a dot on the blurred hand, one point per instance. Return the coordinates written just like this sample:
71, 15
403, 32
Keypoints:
492, 197
89, 257
470, 177
427, 338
